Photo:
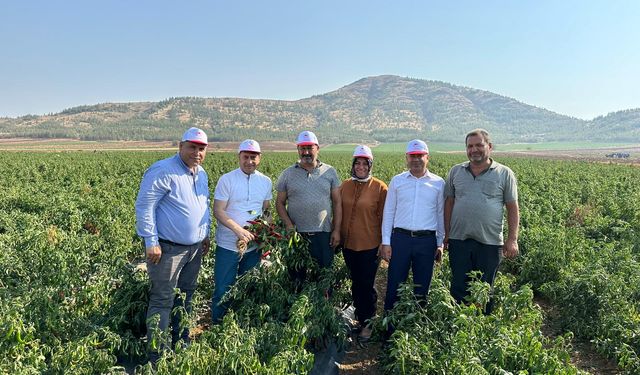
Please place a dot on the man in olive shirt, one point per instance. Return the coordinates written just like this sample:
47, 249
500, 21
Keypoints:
476, 192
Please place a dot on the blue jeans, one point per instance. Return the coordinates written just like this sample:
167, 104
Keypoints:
417, 253
470, 255
227, 268
178, 268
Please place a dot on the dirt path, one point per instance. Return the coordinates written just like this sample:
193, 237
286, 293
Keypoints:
592, 155
64, 144
364, 359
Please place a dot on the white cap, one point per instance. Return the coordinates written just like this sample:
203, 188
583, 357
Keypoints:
417, 147
195, 135
307, 138
362, 151
249, 145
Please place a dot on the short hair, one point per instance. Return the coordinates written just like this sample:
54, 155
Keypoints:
478, 132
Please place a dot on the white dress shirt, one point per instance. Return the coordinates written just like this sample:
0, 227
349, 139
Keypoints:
245, 195
414, 204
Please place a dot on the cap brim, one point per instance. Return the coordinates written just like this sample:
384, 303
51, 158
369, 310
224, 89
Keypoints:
194, 141
417, 153
306, 144
362, 156
250, 151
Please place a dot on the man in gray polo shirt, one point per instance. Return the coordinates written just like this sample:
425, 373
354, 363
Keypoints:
476, 192
308, 195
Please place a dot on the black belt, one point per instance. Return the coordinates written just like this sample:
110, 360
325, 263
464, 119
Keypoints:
415, 233
162, 240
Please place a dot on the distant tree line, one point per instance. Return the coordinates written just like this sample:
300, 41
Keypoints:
384, 109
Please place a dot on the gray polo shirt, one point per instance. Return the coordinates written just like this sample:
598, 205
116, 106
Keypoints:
309, 196
478, 210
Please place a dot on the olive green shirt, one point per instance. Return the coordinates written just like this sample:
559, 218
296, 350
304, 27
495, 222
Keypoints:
478, 210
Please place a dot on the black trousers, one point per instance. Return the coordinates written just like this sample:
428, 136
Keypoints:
471, 255
320, 251
363, 266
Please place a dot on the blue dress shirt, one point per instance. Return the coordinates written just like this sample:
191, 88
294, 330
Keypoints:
173, 203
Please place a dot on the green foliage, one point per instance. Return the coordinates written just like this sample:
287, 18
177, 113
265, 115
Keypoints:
443, 337
73, 301
581, 244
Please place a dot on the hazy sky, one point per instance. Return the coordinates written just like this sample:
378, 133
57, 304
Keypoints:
578, 58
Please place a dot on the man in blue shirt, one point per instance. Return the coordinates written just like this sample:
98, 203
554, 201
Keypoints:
173, 218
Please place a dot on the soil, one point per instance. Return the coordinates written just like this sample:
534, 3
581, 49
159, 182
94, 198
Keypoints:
63, 144
598, 155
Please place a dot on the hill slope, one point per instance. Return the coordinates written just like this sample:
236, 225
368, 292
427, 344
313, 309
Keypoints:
383, 108
621, 126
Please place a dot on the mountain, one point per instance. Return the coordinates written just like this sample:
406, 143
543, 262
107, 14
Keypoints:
621, 126
383, 108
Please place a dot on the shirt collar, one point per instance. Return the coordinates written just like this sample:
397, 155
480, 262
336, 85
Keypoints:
241, 173
318, 164
467, 164
184, 166
427, 175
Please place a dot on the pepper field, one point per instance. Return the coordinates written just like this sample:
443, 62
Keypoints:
72, 300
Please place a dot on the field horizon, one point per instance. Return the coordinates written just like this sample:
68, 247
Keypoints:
64, 144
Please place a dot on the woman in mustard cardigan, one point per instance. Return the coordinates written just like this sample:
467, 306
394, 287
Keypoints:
363, 199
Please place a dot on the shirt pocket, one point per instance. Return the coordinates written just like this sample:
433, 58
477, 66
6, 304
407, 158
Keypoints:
491, 189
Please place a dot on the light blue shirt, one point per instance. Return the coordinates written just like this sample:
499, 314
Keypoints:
173, 203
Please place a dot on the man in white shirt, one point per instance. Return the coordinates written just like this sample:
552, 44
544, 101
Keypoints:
241, 195
413, 224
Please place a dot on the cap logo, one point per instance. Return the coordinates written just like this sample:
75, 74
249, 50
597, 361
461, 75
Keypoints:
249, 145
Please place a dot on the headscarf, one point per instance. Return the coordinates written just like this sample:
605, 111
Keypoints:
354, 177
